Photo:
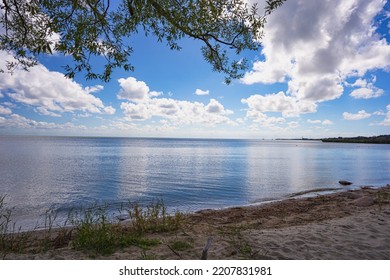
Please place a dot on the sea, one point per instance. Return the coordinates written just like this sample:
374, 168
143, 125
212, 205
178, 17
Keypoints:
41, 175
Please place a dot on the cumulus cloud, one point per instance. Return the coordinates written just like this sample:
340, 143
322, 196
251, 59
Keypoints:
314, 46
178, 112
362, 114
136, 91
5, 111
264, 120
366, 93
289, 106
201, 92
18, 121
145, 105
366, 89
50, 92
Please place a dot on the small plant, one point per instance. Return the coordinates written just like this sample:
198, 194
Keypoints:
145, 256
11, 237
179, 245
93, 231
145, 243
153, 218
382, 197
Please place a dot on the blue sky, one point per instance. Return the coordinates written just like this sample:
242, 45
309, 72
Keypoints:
323, 71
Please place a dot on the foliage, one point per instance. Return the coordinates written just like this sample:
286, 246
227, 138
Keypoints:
84, 29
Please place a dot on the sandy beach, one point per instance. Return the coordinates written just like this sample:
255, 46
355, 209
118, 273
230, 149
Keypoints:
339, 226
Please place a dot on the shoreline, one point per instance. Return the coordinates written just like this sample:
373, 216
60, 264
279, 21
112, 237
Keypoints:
352, 224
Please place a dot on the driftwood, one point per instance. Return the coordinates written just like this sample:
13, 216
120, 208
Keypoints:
206, 248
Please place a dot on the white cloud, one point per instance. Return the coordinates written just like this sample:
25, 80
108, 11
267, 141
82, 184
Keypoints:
386, 121
365, 89
5, 111
178, 112
201, 92
379, 113
362, 114
360, 83
316, 45
263, 119
279, 102
9, 104
50, 92
136, 91
18, 121
44, 111
1, 95
327, 122
145, 105
214, 107
366, 93
94, 89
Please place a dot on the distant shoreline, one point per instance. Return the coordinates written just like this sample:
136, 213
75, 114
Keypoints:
381, 139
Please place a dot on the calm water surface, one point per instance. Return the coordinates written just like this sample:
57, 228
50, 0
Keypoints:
41, 173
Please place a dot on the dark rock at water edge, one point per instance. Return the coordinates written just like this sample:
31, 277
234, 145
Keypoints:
123, 217
345, 183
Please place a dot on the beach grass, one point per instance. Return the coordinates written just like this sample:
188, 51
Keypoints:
90, 230
153, 218
11, 237
94, 231
327, 226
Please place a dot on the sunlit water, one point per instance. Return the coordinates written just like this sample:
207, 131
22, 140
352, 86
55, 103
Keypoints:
41, 173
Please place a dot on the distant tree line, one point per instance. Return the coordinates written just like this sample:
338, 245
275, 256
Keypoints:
381, 139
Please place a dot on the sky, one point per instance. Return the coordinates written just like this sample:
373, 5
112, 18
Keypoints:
323, 71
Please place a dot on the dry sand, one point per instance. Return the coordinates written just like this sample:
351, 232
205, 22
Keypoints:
343, 225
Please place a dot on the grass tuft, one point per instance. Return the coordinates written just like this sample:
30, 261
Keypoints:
11, 237
153, 218
179, 245
95, 232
